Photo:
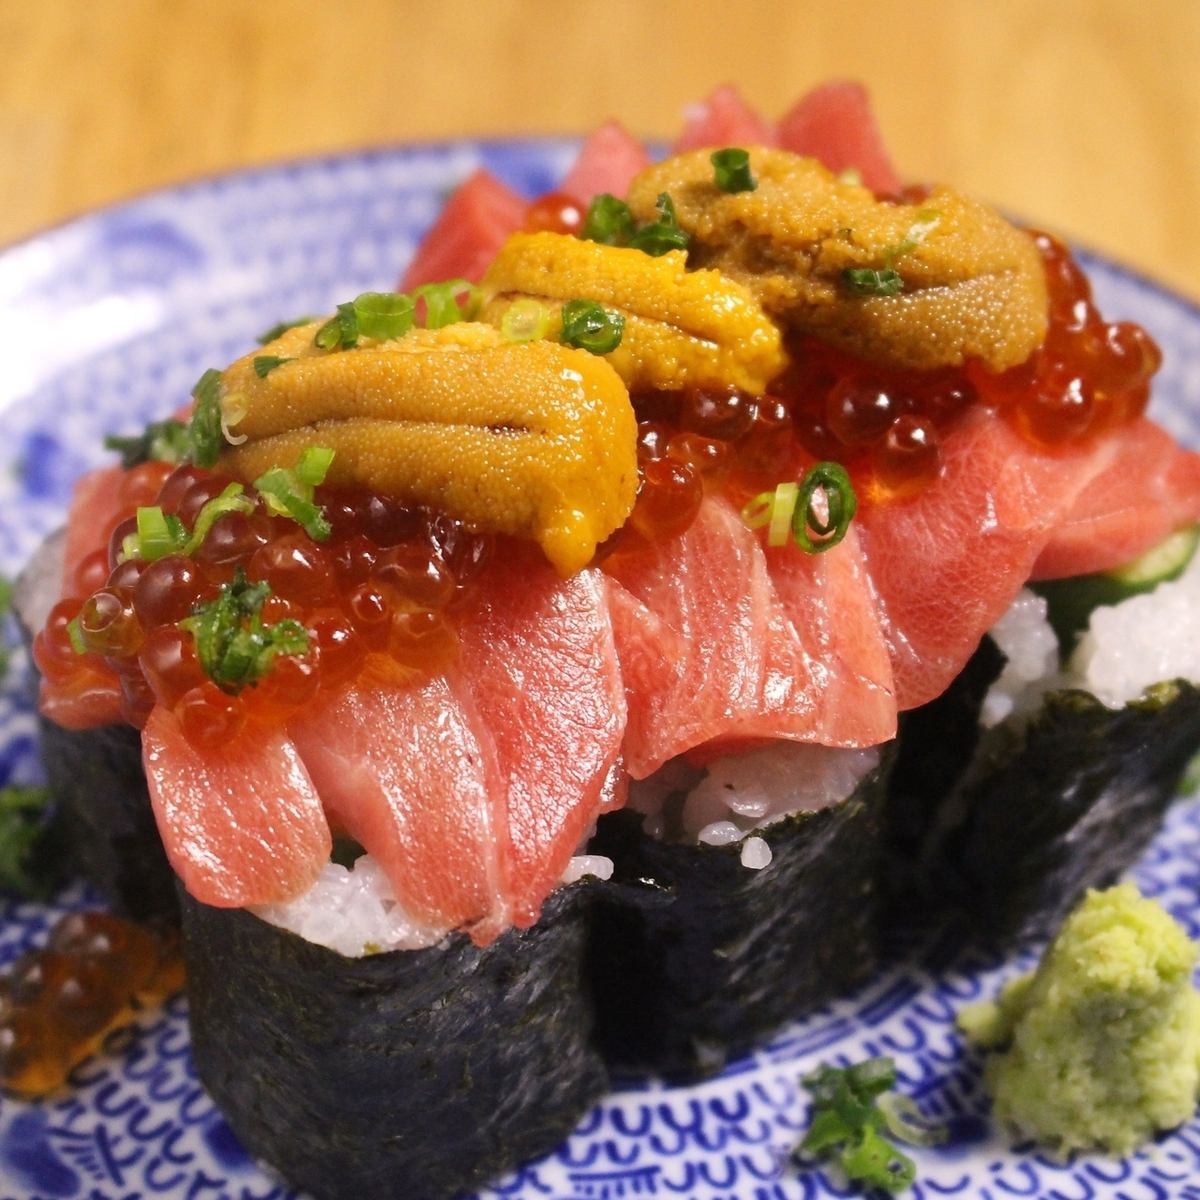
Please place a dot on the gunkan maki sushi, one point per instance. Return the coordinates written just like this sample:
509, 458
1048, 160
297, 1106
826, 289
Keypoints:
681, 504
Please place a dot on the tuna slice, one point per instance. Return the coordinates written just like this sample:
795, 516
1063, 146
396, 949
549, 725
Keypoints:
476, 221
1149, 492
715, 650
723, 118
834, 123
608, 160
947, 564
241, 827
474, 790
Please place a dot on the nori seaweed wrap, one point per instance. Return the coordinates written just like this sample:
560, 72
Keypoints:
697, 958
1059, 804
414, 1073
102, 815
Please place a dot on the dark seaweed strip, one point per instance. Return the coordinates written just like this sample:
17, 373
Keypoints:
935, 745
1065, 804
696, 958
418, 1074
104, 820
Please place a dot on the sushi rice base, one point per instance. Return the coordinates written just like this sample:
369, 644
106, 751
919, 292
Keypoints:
1126, 648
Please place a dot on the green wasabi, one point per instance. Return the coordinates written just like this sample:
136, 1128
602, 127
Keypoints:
1099, 1048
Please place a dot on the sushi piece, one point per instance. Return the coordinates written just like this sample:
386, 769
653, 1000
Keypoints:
686, 512
422, 1072
1074, 744
742, 898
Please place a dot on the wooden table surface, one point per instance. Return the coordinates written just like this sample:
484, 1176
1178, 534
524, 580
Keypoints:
1083, 114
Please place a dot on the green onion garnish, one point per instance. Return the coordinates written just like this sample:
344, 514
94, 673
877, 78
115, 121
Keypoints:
525, 320
158, 534
731, 170
849, 1116
233, 645
161, 441
608, 220
264, 364
831, 480
791, 509
340, 331
590, 326
279, 330
868, 281
75, 636
663, 235
384, 314
205, 430
289, 493
851, 176
230, 500
442, 304
26, 841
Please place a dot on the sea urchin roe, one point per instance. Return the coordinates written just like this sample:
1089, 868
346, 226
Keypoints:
680, 328
58, 1004
808, 245
532, 440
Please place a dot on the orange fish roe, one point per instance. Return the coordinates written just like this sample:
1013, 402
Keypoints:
58, 1004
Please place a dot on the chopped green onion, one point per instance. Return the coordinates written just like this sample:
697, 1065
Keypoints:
831, 480
442, 305
161, 441
281, 328
848, 1120
908, 1123
869, 281
75, 636
928, 219
205, 432
783, 505
851, 175
758, 512
590, 326
23, 828
608, 220
341, 330
661, 236
158, 534
233, 645
525, 320
230, 500
314, 465
791, 509
264, 364
383, 315
289, 493
731, 170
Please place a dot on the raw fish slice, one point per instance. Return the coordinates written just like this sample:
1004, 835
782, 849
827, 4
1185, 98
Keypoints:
402, 770
946, 564
1152, 489
830, 602
475, 223
834, 123
608, 160
723, 118
241, 827
735, 666
95, 506
540, 667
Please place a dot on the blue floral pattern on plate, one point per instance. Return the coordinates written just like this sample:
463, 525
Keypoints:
109, 319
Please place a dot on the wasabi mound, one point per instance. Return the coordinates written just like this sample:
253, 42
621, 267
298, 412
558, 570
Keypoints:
1099, 1048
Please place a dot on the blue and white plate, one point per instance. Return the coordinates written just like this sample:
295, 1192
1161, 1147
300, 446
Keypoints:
108, 320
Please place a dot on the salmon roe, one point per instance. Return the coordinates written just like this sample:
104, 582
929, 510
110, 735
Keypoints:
58, 1004
390, 581
385, 591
